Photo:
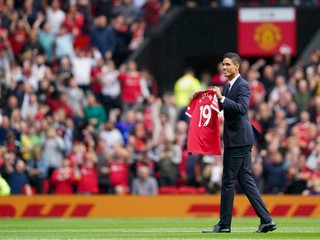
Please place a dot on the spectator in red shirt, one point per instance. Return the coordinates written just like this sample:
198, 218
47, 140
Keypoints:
60, 103
151, 14
77, 154
148, 113
257, 89
3, 37
88, 183
63, 178
74, 21
119, 171
153, 10
18, 33
140, 135
96, 72
298, 176
306, 130
131, 85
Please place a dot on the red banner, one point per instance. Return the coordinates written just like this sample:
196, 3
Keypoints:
266, 31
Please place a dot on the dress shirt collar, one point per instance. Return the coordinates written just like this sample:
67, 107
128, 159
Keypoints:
233, 81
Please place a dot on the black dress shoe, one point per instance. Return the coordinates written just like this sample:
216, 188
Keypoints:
267, 227
217, 229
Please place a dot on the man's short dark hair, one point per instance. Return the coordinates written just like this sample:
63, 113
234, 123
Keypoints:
236, 59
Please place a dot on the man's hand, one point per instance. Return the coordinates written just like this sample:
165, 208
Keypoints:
195, 94
218, 92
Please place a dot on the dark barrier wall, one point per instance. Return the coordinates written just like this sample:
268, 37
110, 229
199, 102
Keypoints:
200, 37
307, 25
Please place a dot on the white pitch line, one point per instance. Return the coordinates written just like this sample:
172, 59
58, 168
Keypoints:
146, 238
156, 230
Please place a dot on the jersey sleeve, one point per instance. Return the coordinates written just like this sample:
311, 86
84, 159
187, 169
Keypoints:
190, 107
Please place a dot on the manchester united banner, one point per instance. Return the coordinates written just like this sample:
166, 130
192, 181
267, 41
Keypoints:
266, 31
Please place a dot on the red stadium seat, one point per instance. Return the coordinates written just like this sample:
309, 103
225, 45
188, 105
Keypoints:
187, 190
201, 190
168, 190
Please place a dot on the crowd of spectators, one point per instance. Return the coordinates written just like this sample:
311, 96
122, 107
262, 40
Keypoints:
76, 118
64, 87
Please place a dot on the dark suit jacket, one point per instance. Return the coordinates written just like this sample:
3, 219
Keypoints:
238, 131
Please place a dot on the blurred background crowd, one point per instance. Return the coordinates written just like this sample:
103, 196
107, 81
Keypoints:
78, 117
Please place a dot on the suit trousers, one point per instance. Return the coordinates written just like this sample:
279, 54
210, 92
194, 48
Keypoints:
237, 164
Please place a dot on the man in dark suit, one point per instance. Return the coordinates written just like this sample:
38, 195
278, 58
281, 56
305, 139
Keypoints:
238, 137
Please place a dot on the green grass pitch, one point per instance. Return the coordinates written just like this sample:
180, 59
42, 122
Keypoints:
152, 228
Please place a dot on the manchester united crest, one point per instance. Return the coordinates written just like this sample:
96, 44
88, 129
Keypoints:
267, 36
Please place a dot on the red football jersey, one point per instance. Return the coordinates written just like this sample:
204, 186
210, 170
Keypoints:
203, 133
130, 86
